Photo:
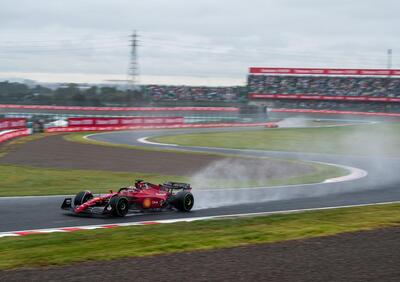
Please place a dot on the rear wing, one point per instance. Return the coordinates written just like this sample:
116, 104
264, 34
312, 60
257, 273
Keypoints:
176, 186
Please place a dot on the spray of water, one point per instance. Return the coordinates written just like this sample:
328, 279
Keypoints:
210, 184
293, 122
368, 147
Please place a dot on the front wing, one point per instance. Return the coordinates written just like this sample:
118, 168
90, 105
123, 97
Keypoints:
67, 205
105, 210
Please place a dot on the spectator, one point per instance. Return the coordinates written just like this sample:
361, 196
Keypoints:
325, 85
193, 93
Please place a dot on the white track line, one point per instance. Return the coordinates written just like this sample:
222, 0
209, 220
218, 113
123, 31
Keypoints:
166, 221
355, 173
145, 141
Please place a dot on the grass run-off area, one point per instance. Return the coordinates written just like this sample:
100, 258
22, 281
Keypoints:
33, 181
135, 241
29, 181
370, 139
18, 180
80, 138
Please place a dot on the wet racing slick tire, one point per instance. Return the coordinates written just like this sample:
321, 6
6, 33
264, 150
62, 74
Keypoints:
183, 201
82, 197
119, 205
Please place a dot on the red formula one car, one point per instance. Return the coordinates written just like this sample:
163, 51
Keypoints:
143, 196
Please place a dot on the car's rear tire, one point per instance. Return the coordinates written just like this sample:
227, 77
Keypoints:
183, 201
82, 197
119, 205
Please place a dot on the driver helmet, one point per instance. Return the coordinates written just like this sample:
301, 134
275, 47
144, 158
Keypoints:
139, 184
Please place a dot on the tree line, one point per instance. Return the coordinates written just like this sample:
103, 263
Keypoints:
75, 95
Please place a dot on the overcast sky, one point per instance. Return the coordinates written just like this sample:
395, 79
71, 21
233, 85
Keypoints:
202, 42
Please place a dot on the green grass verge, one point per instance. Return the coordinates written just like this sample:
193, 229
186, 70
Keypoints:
27, 181
66, 248
34, 181
377, 139
79, 137
321, 172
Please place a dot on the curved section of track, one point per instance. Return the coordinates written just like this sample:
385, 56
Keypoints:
380, 176
380, 185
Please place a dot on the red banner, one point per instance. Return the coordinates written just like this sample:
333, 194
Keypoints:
144, 109
12, 123
326, 98
4, 136
300, 71
112, 128
124, 121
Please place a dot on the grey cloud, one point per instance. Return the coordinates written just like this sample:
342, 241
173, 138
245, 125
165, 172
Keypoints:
215, 37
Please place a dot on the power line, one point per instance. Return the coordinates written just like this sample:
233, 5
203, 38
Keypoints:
101, 47
59, 50
13, 43
165, 44
222, 49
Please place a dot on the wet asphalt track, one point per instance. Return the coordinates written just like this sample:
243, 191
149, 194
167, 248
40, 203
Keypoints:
381, 185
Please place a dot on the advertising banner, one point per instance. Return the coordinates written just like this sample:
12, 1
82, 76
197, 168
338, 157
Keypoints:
124, 121
12, 123
132, 127
318, 71
321, 97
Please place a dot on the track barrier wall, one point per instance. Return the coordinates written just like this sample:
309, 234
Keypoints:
12, 123
11, 134
12, 127
131, 121
112, 128
136, 124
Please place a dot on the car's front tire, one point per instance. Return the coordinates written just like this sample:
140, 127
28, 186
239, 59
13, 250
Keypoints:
119, 205
82, 197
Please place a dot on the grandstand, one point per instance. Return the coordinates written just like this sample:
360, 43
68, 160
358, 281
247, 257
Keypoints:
193, 93
361, 90
372, 90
